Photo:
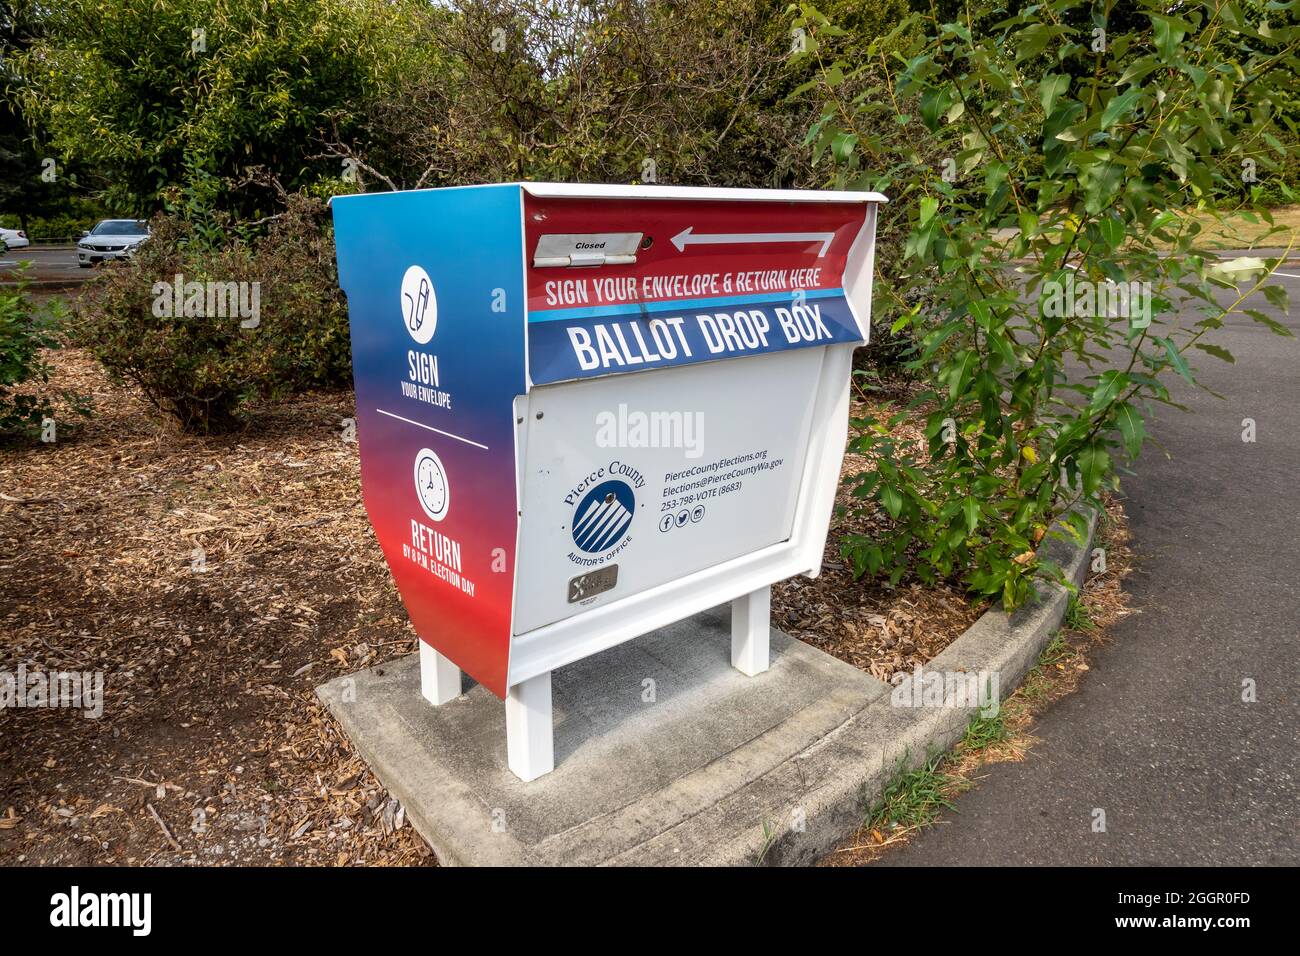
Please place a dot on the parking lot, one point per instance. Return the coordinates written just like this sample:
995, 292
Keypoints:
48, 264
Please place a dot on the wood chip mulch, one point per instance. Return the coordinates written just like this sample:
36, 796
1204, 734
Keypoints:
215, 582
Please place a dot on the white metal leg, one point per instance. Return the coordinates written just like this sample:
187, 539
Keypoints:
439, 677
750, 623
529, 737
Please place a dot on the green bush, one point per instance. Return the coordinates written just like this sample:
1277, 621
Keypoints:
205, 326
68, 225
63, 225
301, 299
1071, 153
24, 371
120, 87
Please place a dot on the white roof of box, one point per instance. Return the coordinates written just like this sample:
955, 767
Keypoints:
604, 191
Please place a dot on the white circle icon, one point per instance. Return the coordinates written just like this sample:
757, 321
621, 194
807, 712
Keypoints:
431, 485
419, 305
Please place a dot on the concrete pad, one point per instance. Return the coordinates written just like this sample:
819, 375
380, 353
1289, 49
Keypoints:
703, 765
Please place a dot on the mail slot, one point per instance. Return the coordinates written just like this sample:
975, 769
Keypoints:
586, 412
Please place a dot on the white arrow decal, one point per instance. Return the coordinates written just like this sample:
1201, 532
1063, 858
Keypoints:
687, 237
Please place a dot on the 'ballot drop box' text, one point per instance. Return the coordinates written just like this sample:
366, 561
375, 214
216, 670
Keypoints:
585, 412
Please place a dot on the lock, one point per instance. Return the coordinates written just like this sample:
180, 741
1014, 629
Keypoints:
596, 249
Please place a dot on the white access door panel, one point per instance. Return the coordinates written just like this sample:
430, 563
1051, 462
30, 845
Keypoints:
631, 481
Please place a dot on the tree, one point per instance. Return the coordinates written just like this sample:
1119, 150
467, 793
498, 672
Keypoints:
30, 184
152, 95
681, 91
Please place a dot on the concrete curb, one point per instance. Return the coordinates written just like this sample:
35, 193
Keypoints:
45, 285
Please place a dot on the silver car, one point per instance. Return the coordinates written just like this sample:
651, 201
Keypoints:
111, 239
13, 239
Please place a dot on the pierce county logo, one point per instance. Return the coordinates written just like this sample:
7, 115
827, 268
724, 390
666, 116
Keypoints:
431, 484
419, 305
603, 516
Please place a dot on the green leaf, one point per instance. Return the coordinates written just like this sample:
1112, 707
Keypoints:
1137, 70
1109, 386
956, 29
933, 103
928, 207
1118, 106
842, 145
1217, 351
1169, 32
1276, 296
1273, 325
960, 374
1112, 230
892, 499
1131, 427
971, 509
1094, 464
1050, 87
1176, 360
1032, 40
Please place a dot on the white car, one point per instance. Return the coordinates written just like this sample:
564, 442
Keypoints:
14, 238
111, 239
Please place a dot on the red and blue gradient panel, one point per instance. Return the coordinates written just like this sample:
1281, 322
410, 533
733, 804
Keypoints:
445, 267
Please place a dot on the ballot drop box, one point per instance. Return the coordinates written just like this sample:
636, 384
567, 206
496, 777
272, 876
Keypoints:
586, 412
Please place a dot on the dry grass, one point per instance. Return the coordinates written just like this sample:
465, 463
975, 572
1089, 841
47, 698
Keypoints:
1237, 231
1008, 736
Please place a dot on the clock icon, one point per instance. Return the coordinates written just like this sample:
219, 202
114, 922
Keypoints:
431, 485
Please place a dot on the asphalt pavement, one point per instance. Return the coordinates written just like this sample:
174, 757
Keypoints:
48, 264
1158, 736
